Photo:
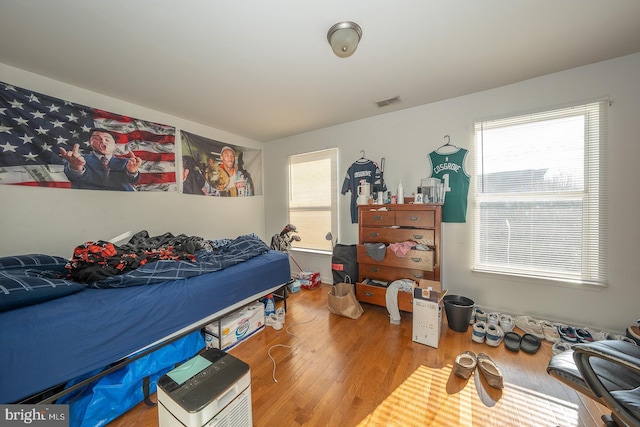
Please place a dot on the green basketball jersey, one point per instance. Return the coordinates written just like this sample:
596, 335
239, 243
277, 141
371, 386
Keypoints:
450, 169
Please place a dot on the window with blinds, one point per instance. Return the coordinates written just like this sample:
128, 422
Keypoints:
313, 198
540, 200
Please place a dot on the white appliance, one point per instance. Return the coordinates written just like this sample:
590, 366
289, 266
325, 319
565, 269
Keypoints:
364, 192
212, 389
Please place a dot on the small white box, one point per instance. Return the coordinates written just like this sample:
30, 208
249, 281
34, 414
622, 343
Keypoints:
427, 312
235, 327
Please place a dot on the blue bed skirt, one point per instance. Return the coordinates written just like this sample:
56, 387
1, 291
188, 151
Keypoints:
47, 344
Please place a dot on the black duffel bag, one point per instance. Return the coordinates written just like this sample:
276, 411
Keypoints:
344, 262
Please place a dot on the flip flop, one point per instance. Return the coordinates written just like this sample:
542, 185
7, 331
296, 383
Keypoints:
512, 341
530, 343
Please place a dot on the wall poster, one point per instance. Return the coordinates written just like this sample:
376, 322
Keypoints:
49, 142
214, 168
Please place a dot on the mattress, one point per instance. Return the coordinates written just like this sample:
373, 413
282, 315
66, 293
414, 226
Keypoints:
47, 344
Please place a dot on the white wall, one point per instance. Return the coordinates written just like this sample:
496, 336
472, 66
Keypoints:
406, 137
55, 221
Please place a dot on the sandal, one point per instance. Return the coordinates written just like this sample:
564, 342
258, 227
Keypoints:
512, 341
490, 371
465, 364
530, 343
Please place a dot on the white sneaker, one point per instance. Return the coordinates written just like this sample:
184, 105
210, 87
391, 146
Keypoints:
599, 335
506, 323
560, 347
479, 332
272, 320
494, 335
480, 315
529, 325
550, 331
493, 318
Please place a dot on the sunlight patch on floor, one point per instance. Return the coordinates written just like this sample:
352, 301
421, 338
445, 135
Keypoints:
436, 397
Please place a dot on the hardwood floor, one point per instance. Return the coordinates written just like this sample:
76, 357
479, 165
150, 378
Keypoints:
342, 372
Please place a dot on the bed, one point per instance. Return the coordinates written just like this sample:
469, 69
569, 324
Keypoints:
89, 326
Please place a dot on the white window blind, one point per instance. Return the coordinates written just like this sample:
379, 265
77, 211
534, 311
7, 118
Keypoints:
313, 197
540, 200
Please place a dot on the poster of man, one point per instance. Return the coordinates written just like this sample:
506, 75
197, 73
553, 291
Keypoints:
50, 142
214, 168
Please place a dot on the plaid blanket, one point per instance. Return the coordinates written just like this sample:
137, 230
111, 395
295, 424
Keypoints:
214, 258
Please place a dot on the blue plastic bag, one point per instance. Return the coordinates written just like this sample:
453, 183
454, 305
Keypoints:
114, 394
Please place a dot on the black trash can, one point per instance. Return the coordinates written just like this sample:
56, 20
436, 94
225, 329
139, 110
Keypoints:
459, 310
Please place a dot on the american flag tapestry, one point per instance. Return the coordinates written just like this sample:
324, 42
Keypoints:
213, 168
49, 142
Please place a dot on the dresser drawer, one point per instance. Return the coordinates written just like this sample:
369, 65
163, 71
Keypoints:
395, 235
377, 295
414, 260
389, 274
377, 218
371, 294
418, 219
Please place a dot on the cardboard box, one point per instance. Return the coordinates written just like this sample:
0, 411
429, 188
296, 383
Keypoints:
427, 312
235, 327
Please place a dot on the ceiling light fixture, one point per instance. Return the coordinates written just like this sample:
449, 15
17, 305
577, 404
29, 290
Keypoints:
344, 38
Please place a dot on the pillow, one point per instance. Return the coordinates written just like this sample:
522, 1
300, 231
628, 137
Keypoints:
39, 261
20, 288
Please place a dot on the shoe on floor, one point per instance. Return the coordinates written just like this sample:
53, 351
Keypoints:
272, 320
599, 335
530, 344
493, 318
529, 325
490, 370
633, 332
281, 314
465, 364
506, 323
550, 331
479, 314
583, 335
512, 341
494, 335
560, 347
479, 332
567, 334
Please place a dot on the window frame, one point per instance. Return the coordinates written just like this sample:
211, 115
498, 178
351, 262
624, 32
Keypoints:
330, 154
593, 253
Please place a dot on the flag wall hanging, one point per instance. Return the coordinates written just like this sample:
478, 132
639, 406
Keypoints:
49, 142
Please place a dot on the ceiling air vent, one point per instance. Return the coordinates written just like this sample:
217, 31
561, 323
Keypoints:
385, 102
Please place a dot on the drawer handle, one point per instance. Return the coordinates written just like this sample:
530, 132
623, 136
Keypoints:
377, 217
414, 218
418, 275
368, 294
416, 259
418, 236
374, 234
374, 269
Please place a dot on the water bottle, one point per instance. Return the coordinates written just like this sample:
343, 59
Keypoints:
400, 193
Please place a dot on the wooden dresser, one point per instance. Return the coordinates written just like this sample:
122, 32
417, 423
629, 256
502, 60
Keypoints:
420, 223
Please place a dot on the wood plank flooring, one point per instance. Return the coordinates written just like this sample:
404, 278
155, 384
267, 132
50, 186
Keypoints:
335, 371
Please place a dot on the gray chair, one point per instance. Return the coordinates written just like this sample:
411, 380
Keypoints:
607, 372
